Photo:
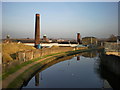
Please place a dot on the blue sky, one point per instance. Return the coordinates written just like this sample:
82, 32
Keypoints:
60, 19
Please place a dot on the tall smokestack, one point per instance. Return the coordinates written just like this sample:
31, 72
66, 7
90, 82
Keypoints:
37, 31
78, 38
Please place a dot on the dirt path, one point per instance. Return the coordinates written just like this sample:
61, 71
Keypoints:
11, 77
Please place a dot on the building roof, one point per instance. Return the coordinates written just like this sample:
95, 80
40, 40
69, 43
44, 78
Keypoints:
118, 37
88, 37
44, 35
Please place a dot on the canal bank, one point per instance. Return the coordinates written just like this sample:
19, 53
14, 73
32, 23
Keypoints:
21, 75
112, 48
109, 69
76, 71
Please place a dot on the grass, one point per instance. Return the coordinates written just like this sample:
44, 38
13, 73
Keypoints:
22, 77
14, 69
9, 50
27, 73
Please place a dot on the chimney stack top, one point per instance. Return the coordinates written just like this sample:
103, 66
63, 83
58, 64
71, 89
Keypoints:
37, 14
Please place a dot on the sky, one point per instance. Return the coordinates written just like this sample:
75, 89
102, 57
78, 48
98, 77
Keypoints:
60, 19
60, 0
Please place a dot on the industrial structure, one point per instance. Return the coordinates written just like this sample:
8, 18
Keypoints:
78, 38
89, 41
37, 31
45, 37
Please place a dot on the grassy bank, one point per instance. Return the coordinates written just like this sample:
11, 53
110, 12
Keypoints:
9, 50
14, 69
27, 73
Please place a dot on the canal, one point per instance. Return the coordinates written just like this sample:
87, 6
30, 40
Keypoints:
84, 70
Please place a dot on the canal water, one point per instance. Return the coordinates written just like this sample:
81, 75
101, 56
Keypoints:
77, 71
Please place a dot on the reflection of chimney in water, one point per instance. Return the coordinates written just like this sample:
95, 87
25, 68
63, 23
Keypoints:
37, 79
78, 58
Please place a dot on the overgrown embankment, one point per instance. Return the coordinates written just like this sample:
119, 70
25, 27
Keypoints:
33, 67
23, 72
19, 55
9, 51
26, 56
32, 60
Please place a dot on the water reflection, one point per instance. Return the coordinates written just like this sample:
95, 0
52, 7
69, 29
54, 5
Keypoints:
89, 54
68, 72
37, 79
78, 58
109, 69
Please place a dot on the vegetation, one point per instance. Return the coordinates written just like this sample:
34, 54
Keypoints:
14, 69
26, 74
9, 54
9, 50
30, 72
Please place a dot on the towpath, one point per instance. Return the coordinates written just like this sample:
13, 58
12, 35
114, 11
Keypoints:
11, 77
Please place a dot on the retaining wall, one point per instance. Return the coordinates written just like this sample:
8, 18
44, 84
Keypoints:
111, 46
31, 54
24, 56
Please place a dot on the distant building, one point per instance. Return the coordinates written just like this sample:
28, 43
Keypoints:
50, 40
89, 41
60, 40
7, 40
118, 39
45, 39
8, 37
112, 38
78, 38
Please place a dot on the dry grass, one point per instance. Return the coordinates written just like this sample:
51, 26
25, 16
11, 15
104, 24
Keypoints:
9, 50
